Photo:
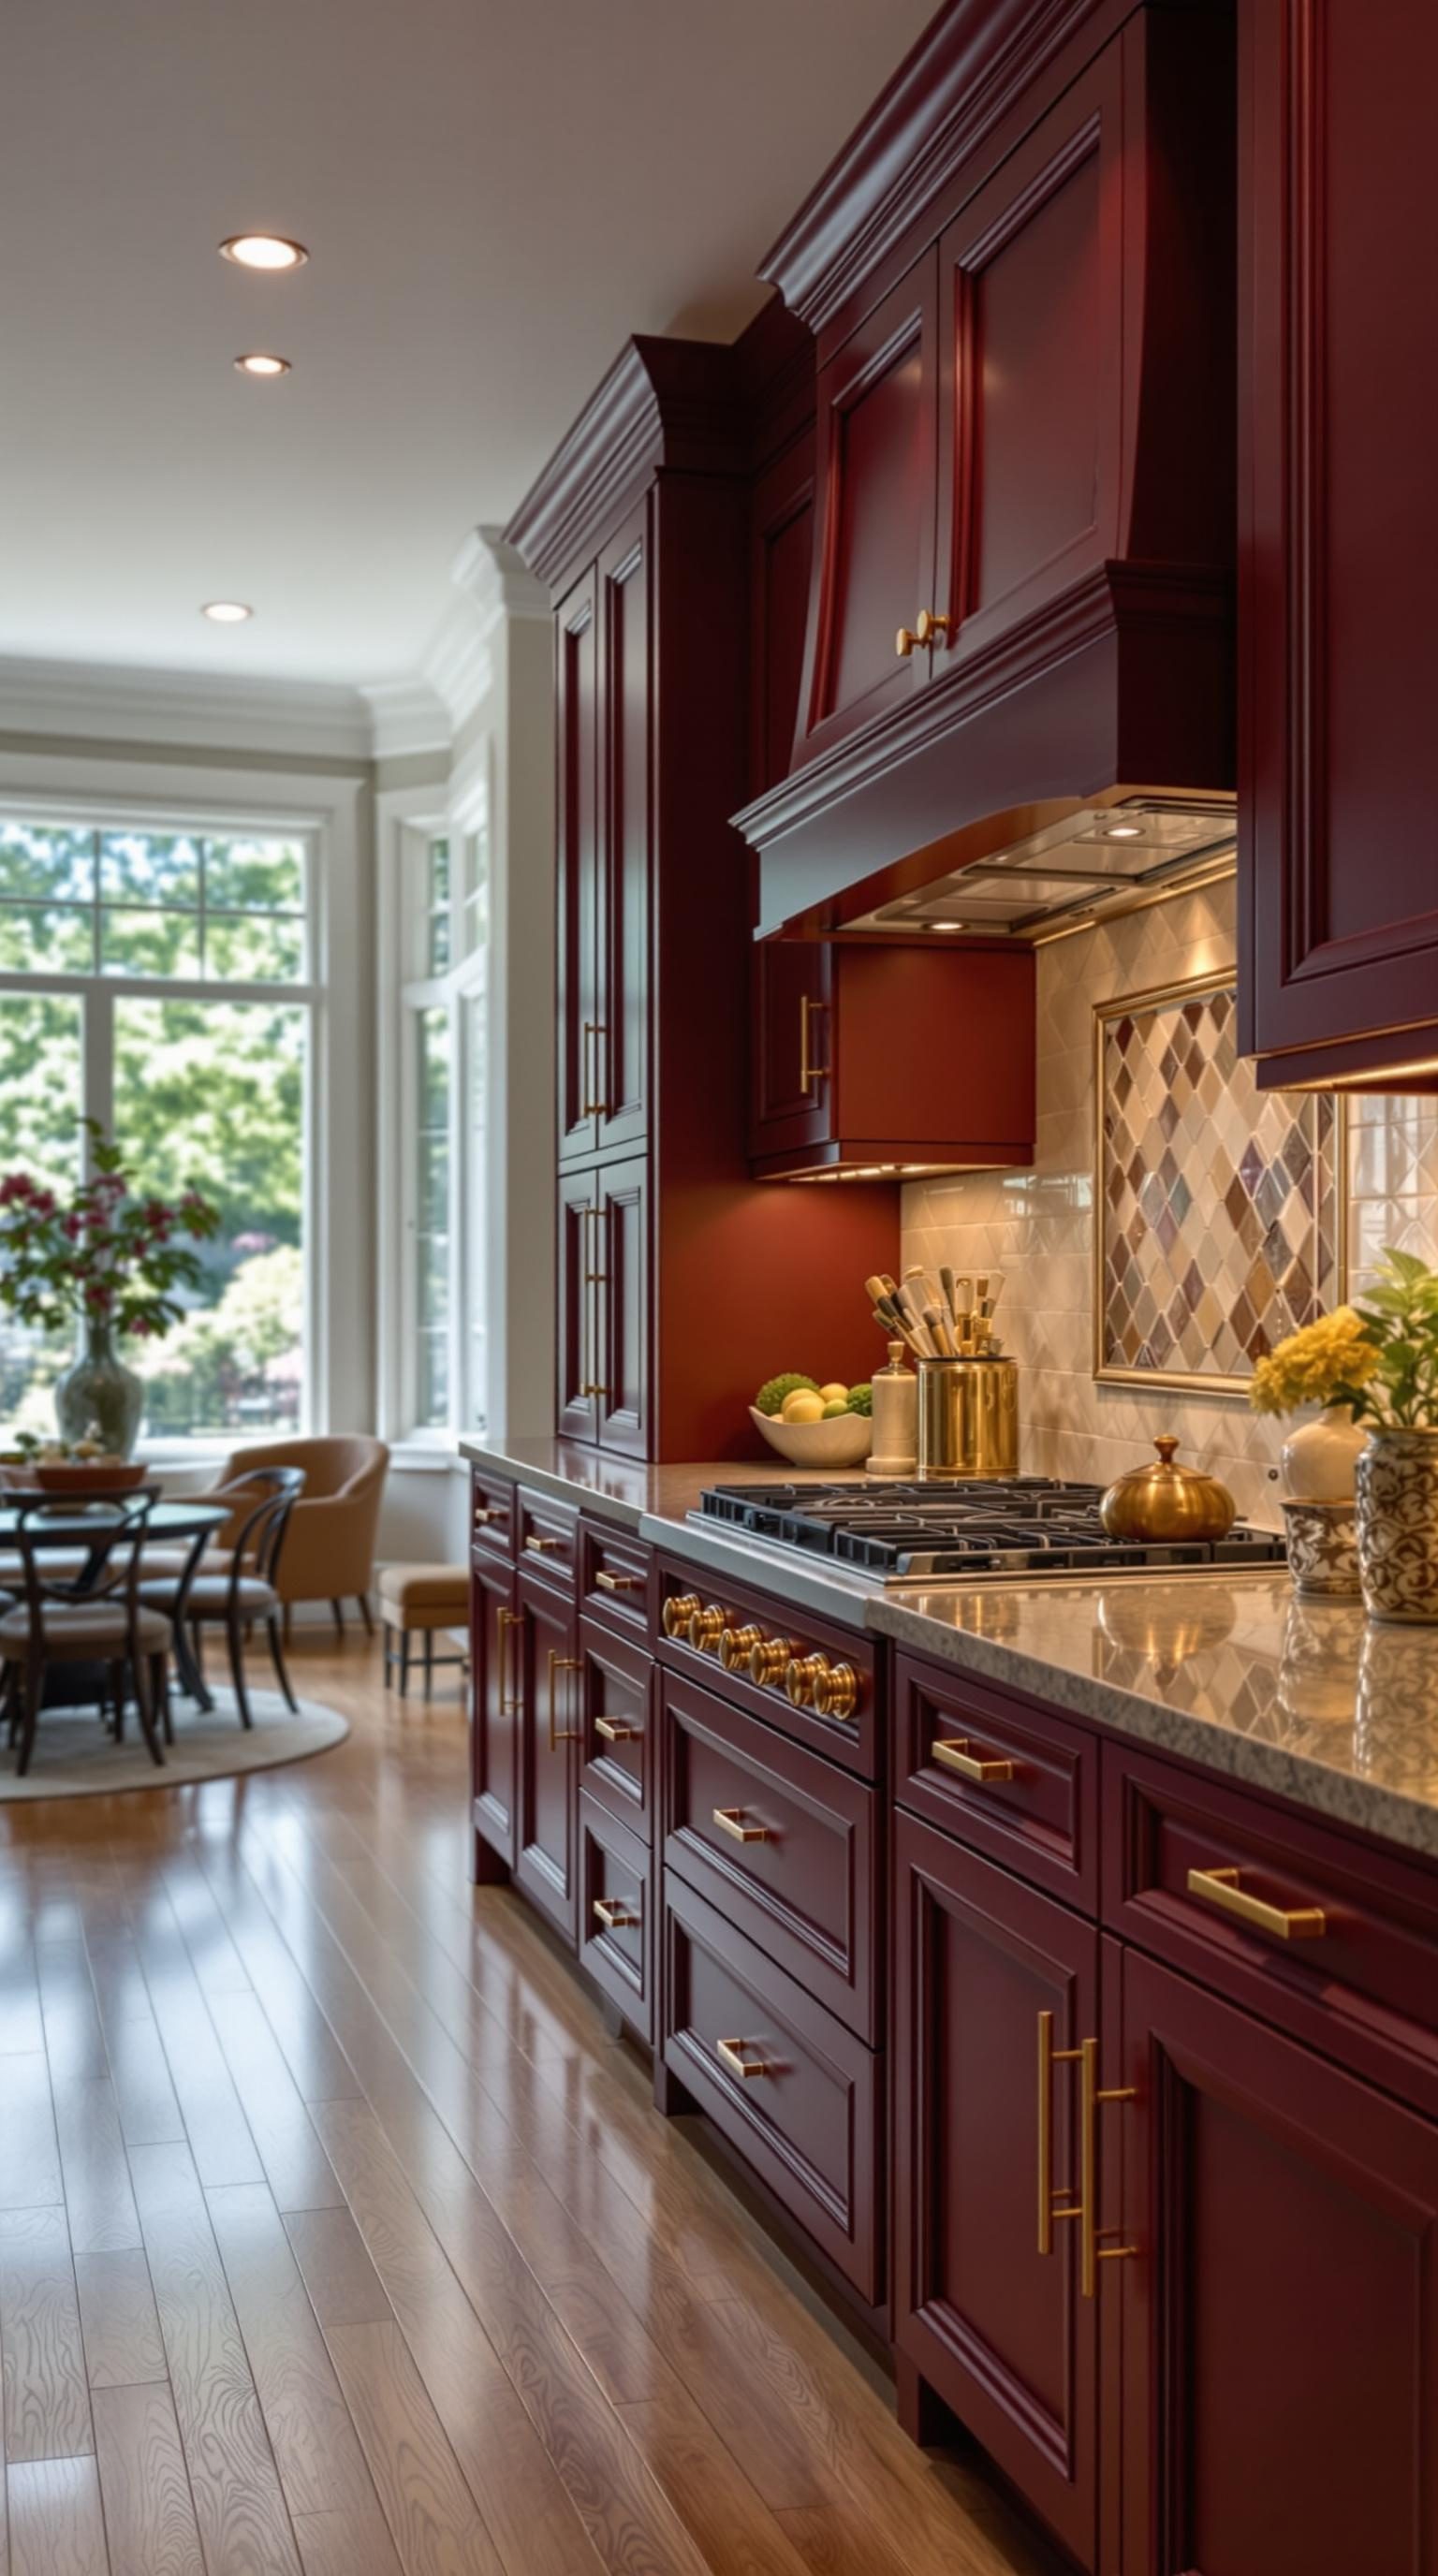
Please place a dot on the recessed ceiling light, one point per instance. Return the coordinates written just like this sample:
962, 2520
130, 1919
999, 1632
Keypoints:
263, 250
946, 925
1124, 832
226, 612
257, 363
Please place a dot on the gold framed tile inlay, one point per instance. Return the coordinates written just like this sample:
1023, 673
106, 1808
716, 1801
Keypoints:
1218, 1208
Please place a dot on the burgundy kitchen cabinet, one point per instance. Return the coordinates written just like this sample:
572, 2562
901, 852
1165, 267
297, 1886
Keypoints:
495, 1680
835, 1085
781, 549
603, 1326
1279, 2318
576, 691
998, 2329
1338, 921
549, 1731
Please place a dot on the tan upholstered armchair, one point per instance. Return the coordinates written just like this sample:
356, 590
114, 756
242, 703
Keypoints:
328, 1554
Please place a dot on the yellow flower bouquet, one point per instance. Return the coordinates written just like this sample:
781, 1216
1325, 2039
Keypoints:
1327, 1362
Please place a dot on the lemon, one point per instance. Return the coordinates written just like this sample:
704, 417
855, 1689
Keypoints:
802, 1406
832, 1412
834, 1393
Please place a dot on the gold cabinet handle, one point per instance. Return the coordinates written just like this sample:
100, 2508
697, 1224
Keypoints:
560, 1664
604, 1581
1092, 2097
730, 1820
801, 1674
836, 1691
613, 1915
487, 1512
1221, 1887
594, 1030
769, 1661
617, 1730
952, 1751
510, 1702
706, 1627
593, 1280
932, 624
810, 1073
736, 1646
730, 2052
677, 1612
904, 642
541, 1546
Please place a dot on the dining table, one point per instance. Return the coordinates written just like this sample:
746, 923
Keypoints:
66, 1524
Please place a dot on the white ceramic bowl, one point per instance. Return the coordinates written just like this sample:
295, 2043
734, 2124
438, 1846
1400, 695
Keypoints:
843, 1442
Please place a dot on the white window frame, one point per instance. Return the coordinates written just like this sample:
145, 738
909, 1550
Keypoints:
326, 813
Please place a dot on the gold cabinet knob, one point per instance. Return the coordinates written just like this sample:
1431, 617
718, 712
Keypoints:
931, 626
905, 641
678, 1610
836, 1691
768, 1662
705, 1628
803, 1676
736, 1646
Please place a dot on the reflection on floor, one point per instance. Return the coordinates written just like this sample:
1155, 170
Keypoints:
337, 2239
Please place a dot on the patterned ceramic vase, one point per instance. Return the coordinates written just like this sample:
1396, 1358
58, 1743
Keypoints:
1320, 1458
99, 1395
1322, 1549
1398, 1526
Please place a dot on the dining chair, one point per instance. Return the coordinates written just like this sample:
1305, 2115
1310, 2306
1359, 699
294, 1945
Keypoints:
95, 1615
235, 1596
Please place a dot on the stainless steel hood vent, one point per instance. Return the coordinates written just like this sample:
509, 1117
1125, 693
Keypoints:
1092, 861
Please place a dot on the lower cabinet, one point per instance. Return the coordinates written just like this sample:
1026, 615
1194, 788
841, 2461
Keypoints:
1279, 2319
616, 1930
496, 1682
989, 2304
548, 1667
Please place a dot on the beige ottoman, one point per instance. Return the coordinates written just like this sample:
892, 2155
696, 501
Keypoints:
417, 1601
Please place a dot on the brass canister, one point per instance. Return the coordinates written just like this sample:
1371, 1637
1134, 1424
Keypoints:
968, 1417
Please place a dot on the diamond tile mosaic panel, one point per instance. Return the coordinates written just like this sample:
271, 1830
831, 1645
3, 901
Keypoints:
1217, 1204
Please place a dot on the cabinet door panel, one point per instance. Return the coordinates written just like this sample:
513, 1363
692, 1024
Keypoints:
495, 1680
621, 1306
996, 2327
1030, 281
875, 484
622, 992
544, 1861
792, 1038
576, 1322
1336, 547
780, 563
1280, 2319
577, 735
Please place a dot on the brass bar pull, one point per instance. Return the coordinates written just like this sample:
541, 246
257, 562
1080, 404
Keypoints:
540, 1546
604, 1581
952, 1752
594, 1280
1221, 1887
612, 1914
730, 1820
810, 1073
594, 1030
1091, 2097
560, 1735
1050, 2206
730, 2052
486, 1512
617, 1730
510, 1702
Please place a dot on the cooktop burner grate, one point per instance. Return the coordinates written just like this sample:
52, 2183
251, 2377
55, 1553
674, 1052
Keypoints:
1019, 1525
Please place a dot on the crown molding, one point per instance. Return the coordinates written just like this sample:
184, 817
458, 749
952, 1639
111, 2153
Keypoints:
406, 716
209, 710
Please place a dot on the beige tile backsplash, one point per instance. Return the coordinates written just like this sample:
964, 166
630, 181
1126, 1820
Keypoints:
1037, 1226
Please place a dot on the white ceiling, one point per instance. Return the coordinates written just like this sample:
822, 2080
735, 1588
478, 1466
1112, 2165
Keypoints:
494, 193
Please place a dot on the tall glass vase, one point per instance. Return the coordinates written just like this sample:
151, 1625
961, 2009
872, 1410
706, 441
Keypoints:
98, 1397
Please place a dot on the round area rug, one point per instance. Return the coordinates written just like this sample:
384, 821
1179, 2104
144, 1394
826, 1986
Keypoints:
74, 1758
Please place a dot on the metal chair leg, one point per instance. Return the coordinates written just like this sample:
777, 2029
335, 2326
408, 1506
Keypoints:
429, 1663
338, 1608
34, 1687
235, 1639
404, 1663
144, 1703
272, 1630
365, 1612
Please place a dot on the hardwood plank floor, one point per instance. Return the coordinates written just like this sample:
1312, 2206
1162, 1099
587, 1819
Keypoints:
338, 2239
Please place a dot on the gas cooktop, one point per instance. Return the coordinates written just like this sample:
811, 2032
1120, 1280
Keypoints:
1021, 1525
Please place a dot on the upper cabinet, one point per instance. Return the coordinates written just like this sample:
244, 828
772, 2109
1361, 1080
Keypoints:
1020, 277
1338, 940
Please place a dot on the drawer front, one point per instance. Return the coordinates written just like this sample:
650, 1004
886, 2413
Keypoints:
617, 1747
1356, 1971
613, 1577
548, 1540
616, 1933
744, 1643
784, 1844
493, 1520
809, 2123
1018, 1785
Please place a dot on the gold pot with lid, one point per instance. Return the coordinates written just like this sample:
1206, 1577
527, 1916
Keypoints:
1167, 1503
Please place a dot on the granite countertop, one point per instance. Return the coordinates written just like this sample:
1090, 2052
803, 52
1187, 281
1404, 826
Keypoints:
1307, 1699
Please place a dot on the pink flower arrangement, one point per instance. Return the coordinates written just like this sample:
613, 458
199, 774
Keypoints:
106, 1256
